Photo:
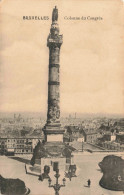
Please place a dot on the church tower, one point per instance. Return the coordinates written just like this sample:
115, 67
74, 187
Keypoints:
53, 131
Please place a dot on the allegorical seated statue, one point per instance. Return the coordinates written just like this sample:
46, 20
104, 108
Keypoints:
13, 186
38, 153
113, 173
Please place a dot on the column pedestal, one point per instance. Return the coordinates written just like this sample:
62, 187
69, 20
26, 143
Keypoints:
53, 133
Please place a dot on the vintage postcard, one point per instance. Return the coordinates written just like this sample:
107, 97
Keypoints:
62, 97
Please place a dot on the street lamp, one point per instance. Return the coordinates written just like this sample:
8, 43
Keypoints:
57, 186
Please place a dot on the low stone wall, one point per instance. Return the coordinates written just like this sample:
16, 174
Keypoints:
101, 148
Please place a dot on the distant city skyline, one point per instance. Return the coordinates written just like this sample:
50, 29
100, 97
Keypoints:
91, 59
42, 115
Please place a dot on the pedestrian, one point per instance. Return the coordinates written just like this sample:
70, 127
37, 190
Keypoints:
89, 182
25, 169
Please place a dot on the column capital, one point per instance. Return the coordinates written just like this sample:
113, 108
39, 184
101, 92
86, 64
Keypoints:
55, 41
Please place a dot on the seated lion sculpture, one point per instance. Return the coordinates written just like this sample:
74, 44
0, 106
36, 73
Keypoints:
113, 173
45, 175
13, 186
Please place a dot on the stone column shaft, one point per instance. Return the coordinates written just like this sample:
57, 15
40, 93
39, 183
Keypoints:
53, 130
53, 114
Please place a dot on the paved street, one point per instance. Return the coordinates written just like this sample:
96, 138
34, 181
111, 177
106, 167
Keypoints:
87, 168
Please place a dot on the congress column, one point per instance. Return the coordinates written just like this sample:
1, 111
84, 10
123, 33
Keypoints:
52, 129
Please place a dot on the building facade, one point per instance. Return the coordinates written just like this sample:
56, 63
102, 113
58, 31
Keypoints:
20, 145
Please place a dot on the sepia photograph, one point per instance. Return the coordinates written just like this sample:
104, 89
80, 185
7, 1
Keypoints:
62, 97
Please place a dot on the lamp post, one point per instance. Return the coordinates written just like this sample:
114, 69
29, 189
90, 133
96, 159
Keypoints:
57, 186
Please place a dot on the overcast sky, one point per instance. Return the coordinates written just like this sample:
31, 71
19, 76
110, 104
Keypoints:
91, 61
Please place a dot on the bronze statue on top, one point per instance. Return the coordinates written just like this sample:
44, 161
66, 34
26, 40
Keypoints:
55, 14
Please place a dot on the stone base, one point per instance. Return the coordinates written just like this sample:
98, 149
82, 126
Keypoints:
33, 170
53, 133
54, 138
51, 150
